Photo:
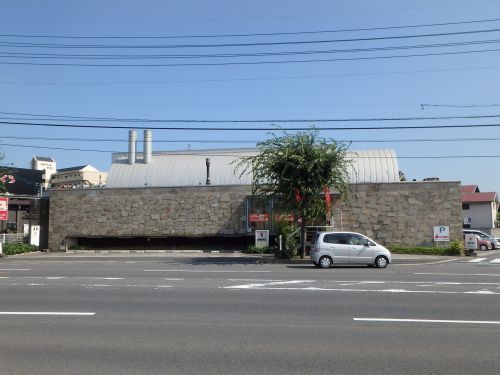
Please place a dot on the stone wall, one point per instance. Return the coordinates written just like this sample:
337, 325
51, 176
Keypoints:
403, 213
392, 213
155, 212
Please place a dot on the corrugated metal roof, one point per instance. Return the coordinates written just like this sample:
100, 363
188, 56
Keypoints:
188, 168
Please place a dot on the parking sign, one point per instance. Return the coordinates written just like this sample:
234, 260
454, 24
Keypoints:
441, 233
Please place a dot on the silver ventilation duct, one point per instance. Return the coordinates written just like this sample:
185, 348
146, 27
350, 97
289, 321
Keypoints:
148, 136
132, 145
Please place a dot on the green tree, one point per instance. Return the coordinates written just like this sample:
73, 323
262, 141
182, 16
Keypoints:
294, 170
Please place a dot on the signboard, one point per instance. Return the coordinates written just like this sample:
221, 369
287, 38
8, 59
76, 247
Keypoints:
20, 181
35, 235
441, 233
261, 238
4, 208
259, 218
467, 220
284, 217
471, 241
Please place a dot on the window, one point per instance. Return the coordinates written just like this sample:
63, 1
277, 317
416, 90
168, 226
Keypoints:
335, 238
465, 206
355, 239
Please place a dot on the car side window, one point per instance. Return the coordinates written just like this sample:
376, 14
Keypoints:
335, 238
355, 239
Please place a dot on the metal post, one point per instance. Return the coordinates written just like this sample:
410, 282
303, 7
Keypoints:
208, 171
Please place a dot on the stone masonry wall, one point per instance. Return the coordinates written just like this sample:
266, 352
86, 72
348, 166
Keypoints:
155, 212
391, 213
403, 213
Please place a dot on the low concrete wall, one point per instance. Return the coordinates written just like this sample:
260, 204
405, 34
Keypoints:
397, 213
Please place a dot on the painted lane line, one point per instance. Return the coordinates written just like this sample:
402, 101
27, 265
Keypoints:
351, 290
265, 285
46, 313
427, 263
476, 260
209, 271
458, 274
426, 321
15, 269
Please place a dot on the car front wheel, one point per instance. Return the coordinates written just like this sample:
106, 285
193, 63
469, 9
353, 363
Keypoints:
325, 262
381, 261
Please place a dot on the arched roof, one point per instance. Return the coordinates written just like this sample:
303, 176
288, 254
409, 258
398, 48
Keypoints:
188, 168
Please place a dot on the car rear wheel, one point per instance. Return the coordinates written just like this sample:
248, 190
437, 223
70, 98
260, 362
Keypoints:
483, 247
325, 262
381, 261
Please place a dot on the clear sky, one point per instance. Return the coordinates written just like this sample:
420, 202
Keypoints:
44, 71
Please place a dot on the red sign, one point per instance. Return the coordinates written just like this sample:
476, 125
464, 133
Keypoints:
4, 208
260, 218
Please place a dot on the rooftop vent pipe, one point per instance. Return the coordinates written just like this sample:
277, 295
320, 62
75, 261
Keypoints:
147, 146
132, 145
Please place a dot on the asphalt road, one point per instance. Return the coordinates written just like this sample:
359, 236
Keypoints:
231, 315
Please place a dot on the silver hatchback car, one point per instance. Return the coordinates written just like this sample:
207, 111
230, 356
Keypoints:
331, 248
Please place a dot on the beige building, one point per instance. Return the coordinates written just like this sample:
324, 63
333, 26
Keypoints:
84, 176
46, 164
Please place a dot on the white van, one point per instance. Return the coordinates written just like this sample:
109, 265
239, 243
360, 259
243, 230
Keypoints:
331, 248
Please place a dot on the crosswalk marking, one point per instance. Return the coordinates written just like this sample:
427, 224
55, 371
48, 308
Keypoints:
477, 260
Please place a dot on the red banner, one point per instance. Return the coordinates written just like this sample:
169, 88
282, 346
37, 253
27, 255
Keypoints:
259, 218
4, 208
328, 199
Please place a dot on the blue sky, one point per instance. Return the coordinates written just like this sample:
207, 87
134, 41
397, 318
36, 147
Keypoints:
460, 84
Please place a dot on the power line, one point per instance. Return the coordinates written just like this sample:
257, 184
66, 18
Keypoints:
161, 82
423, 106
252, 62
29, 55
249, 34
251, 129
222, 121
254, 44
190, 153
234, 141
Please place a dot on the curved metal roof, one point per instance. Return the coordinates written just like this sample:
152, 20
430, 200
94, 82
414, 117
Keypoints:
188, 168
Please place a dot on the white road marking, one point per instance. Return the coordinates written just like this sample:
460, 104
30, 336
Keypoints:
46, 313
15, 269
495, 261
423, 264
426, 321
476, 260
210, 271
457, 274
264, 285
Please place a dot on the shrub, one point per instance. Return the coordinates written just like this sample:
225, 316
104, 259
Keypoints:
456, 248
18, 248
252, 249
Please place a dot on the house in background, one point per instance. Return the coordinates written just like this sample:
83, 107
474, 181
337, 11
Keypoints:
479, 209
47, 165
83, 176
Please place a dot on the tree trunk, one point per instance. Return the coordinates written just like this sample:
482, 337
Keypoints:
303, 238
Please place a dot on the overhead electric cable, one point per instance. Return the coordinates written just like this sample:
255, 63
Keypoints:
190, 153
29, 55
251, 62
279, 43
247, 34
222, 121
250, 129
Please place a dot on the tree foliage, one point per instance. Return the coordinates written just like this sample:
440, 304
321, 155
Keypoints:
294, 169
